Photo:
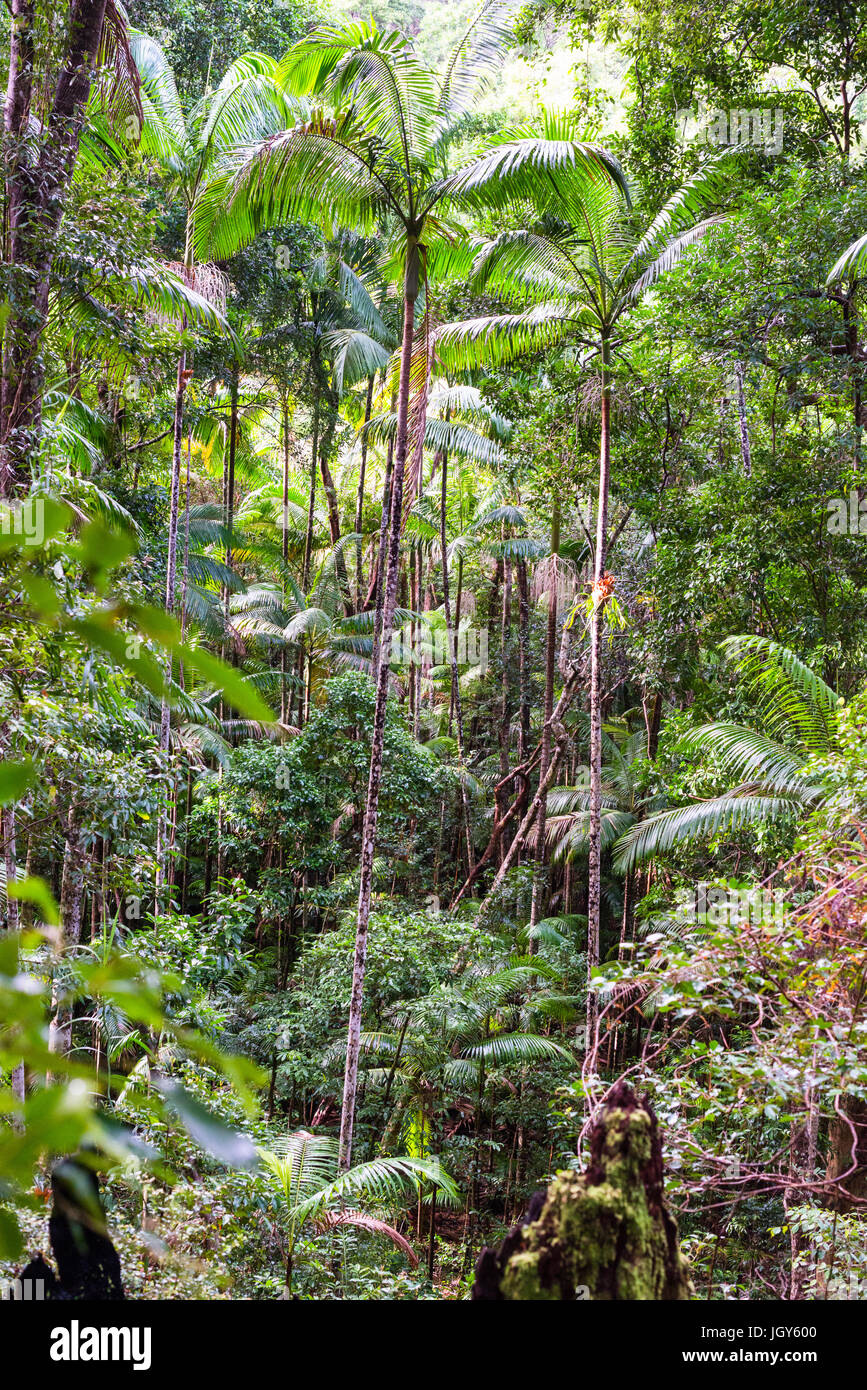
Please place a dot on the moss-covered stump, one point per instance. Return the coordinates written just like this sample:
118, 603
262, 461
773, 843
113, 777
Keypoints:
602, 1234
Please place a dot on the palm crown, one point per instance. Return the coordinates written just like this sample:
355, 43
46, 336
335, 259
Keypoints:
579, 266
769, 767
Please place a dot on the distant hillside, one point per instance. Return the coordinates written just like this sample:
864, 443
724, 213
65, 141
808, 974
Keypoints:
522, 84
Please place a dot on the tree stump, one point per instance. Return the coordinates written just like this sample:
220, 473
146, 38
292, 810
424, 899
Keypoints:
88, 1267
605, 1233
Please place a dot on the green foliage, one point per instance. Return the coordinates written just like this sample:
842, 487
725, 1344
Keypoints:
185, 764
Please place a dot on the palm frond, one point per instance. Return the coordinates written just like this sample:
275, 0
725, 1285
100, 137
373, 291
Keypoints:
851, 265
363, 1221
497, 339
506, 1048
703, 820
792, 696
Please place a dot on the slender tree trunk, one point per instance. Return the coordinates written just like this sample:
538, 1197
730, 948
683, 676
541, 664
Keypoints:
284, 551
550, 658
71, 903
311, 504
229, 507
171, 577
13, 918
594, 891
230, 478
185, 573
524, 659
451, 642
359, 500
746, 456
325, 446
412, 688
378, 582
803, 1149
653, 725
368, 840
458, 597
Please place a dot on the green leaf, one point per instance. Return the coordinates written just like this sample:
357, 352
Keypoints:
209, 1132
31, 523
11, 1243
15, 778
99, 630
162, 628
236, 690
103, 550
35, 890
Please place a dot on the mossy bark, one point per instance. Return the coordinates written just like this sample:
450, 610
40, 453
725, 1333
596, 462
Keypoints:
605, 1233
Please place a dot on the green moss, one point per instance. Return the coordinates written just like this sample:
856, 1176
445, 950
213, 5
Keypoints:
612, 1236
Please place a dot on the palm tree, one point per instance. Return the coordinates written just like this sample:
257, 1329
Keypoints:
247, 104
578, 269
313, 623
773, 779
446, 1038
569, 826
310, 1190
459, 423
376, 156
452, 1044
359, 342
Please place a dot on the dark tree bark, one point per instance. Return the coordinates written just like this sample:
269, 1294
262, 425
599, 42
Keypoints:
37, 189
88, 1267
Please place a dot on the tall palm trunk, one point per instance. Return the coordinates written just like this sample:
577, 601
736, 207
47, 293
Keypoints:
743, 424
171, 578
451, 644
506, 650
71, 904
230, 481
359, 501
325, 446
185, 570
384, 525
594, 890
458, 597
285, 703
412, 683
311, 503
545, 756
523, 659
174, 508
368, 838
12, 917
